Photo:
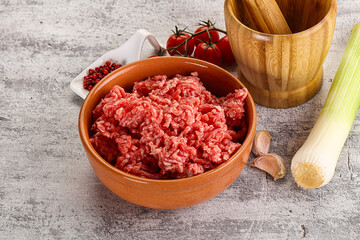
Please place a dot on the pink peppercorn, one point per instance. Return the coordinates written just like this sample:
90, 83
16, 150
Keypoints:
95, 75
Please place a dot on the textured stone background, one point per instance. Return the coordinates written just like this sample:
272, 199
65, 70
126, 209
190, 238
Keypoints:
47, 187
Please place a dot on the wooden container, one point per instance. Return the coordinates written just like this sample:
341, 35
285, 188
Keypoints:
282, 70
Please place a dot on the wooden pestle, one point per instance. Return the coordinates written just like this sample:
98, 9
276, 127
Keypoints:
266, 16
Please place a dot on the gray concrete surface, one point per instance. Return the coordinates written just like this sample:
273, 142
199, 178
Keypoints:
47, 187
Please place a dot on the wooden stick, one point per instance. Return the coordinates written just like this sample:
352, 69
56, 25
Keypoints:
267, 16
255, 16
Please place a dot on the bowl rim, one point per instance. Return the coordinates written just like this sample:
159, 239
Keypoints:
301, 33
89, 149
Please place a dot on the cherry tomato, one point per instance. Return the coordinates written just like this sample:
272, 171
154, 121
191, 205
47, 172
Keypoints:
205, 35
226, 53
177, 38
208, 52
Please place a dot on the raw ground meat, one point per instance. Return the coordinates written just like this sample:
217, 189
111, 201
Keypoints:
168, 128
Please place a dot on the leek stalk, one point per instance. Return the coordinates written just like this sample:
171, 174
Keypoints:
314, 163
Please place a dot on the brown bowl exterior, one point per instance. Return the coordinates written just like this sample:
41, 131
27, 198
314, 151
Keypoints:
282, 70
174, 193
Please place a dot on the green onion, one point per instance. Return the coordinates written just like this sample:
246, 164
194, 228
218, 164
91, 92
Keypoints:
314, 163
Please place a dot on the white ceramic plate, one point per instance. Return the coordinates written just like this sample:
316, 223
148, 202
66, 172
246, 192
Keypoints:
129, 52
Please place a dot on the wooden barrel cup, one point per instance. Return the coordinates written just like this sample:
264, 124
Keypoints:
282, 70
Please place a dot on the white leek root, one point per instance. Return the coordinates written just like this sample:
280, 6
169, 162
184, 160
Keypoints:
314, 164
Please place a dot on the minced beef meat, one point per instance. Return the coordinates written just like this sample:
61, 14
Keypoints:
168, 128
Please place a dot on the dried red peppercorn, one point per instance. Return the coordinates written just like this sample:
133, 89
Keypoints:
95, 75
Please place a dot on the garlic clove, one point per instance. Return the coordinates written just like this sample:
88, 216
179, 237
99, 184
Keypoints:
272, 164
261, 144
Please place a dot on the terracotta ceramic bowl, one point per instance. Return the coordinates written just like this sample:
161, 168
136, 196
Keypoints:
174, 193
